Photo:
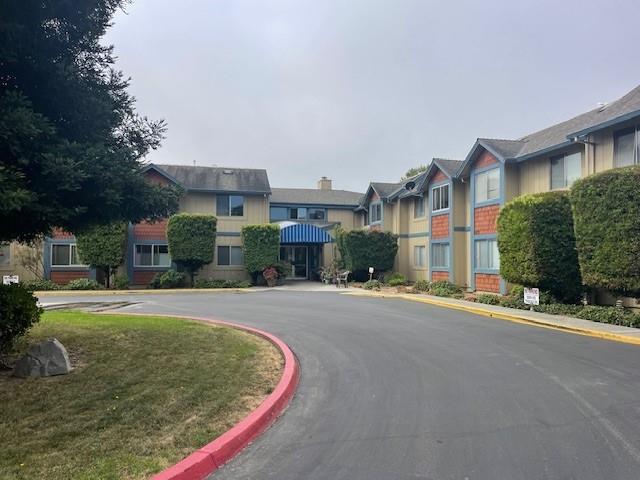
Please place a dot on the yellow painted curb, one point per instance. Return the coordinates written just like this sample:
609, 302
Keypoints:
105, 293
505, 316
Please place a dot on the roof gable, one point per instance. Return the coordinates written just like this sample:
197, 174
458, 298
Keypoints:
216, 179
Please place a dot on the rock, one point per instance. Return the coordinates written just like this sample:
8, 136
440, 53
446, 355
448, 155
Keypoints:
43, 360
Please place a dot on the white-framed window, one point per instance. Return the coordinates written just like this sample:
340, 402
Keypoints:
440, 198
440, 255
487, 185
487, 255
375, 212
418, 207
65, 255
420, 256
152, 255
5, 254
230, 255
626, 147
565, 169
298, 213
230, 205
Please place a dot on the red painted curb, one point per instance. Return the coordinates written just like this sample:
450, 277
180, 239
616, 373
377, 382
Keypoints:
212, 456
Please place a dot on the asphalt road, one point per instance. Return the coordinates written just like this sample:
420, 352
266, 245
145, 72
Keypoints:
396, 390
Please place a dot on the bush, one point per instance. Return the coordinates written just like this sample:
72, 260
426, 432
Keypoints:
559, 309
372, 285
613, 315
443, 288
103, 247
192, 239
121, 282
40, 284
488, 299
169, 279
361, 249
219, 283
421, 286
397, 279
83, 284
261, 247
18, 312
606, 208
537, 244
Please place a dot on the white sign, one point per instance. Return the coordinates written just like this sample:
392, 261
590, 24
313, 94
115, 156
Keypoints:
370, 269
9, 279
532, 296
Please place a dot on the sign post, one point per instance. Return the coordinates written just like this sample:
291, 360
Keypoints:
531, 297
370, 273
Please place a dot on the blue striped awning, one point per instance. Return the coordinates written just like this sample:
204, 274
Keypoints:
304, 233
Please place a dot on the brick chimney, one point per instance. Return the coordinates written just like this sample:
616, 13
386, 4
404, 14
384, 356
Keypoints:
324, 183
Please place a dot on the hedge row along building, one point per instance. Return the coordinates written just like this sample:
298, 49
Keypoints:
445, 217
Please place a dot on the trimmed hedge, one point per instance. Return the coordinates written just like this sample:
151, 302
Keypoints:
192, 239
606, 208
82, 284
18, 311
169, 279
103, 247
261, 246
537, 244
219, 283
361, 249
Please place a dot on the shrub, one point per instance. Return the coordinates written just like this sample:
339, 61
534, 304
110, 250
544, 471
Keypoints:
270, 274
613, 315
488, 299
372, 285
121, 282
362, 249
443, 288
513, 302
537, 244
103, 247
191, 238
18, 311
397, 279
83, 284
261, 247
219, 283
606, 208
40, 284
169, 279
421, 286
559, 309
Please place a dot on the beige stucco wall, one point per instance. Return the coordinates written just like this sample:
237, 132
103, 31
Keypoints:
14, 267
256, 210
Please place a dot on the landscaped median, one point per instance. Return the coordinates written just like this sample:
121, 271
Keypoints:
145, 392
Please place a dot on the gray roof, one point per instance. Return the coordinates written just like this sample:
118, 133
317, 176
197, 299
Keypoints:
309, 196
503, 148
218, 179
386, 189
450, 167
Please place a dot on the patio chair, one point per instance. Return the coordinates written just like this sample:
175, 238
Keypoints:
343, 279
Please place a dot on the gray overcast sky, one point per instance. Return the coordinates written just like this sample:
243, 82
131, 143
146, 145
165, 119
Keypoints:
362, 90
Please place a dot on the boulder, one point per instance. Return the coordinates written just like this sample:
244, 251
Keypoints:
43, 360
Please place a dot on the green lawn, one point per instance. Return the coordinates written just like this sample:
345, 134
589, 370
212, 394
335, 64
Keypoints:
145, 392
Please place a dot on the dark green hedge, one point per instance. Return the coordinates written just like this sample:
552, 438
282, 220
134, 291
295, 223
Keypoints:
537, 244
361, 249
18, 312
103, 247
606, 209
261, 245
191, 238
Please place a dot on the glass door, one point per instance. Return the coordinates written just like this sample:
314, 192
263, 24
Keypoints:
297, 256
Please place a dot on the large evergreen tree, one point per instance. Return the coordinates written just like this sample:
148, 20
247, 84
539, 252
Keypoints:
71, 143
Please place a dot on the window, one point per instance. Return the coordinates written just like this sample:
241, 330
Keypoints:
418, 207
487, 185
625, 147
230, 205
375, 212
64, 255
278, 213
440, 198
565, 169
487, 256
420, 256
299, 213
440, 255
316, 213
230, 256
5, 254
152, 255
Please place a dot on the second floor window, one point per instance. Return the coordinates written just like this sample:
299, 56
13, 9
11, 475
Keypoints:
487, 185
230, 206
418, 207
375, 212
299, 213
440, 198
565, 169
625, 147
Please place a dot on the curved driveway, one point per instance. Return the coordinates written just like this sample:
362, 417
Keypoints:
398, 390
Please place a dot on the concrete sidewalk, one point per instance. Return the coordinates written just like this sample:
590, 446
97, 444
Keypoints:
559, 322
